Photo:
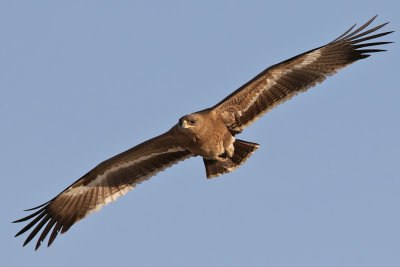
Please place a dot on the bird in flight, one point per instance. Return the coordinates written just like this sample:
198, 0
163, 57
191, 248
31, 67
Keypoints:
209, 133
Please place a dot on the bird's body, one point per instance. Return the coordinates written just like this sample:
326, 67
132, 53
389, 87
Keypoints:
210, 133
199, 140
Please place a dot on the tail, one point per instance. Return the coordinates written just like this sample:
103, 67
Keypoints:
243, 150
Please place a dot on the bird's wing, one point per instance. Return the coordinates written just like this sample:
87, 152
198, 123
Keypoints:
282, 81
105, 183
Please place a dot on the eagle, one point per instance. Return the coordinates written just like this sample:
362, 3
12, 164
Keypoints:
209, 133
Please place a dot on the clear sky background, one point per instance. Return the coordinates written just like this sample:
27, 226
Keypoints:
84, 80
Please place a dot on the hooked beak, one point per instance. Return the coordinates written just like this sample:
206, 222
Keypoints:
184, 124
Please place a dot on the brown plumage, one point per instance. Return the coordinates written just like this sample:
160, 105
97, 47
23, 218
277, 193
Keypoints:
208, 133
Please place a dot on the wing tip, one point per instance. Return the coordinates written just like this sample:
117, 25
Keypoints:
353, 36
39, 219
357, 38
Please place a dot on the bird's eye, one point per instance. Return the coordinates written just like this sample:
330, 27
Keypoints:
192, 121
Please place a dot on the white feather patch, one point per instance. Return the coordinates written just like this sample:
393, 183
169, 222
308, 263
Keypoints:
99, 179
310, 58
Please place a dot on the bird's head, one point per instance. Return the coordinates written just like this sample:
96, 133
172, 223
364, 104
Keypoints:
190, 122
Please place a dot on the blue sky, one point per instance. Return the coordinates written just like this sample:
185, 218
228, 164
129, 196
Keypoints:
85, 80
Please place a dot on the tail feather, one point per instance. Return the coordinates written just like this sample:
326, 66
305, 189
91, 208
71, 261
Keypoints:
243, 150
